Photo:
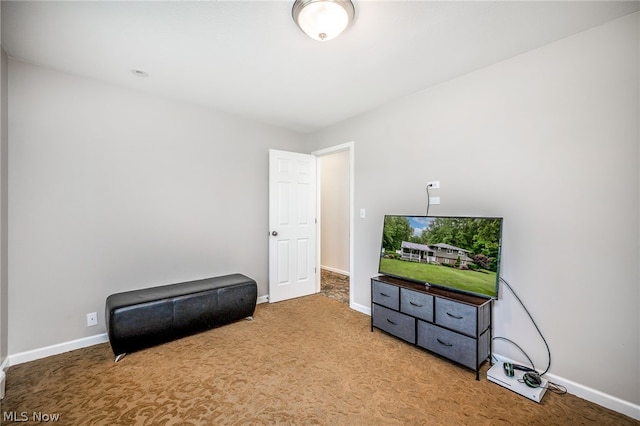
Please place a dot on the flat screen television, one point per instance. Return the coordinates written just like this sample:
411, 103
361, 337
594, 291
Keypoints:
456, 253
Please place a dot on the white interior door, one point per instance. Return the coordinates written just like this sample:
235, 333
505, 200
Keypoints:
292, 225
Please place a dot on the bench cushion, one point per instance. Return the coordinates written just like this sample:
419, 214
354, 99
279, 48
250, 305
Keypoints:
141, 318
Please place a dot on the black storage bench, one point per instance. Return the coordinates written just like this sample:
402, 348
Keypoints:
142, 318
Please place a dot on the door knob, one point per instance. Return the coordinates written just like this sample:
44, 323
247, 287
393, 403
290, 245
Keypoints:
274, 233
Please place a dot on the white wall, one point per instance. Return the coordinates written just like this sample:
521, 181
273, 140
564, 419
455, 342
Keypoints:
112, 190
334, 213
549, 140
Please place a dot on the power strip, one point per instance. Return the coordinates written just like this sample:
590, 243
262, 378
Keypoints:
497, 375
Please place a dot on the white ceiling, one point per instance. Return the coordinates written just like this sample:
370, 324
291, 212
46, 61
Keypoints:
248, 58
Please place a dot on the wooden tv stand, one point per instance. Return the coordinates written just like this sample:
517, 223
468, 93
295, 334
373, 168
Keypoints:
453, 325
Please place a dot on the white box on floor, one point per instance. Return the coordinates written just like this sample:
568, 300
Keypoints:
497, 375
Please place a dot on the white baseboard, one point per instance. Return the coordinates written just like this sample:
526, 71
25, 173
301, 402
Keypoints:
262, 299
361, 308
597, 397
3, 377
60, 348
592, 395
337, 271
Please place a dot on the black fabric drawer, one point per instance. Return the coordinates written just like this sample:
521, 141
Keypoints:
456, 347
400, 325
386, 295
418, 304
457, 316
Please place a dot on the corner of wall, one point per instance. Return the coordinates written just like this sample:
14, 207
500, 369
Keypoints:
4, 286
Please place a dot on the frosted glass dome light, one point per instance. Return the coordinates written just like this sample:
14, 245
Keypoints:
323, 20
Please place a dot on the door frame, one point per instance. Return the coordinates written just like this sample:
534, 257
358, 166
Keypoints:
350, 147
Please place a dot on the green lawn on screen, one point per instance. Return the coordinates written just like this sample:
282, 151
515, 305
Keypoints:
480, 281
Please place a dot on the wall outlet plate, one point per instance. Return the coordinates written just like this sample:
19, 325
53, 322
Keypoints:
92, 319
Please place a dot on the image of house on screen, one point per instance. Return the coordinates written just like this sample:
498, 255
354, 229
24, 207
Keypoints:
435, 253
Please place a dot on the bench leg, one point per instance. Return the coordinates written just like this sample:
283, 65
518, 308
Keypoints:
249, 318
120, 356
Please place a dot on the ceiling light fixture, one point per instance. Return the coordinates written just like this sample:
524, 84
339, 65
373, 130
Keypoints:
323, 20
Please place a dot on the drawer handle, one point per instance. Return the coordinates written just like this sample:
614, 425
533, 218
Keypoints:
454, 316
391, 322
385, 295
443, 343
415, 304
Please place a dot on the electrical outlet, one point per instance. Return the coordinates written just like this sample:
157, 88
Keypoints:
434, 184
92, 319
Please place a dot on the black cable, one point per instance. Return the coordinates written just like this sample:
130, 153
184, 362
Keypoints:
552, 387
534, 324
516, 345
556, 388
428, 200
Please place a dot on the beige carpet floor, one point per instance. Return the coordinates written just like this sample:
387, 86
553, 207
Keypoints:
305, 361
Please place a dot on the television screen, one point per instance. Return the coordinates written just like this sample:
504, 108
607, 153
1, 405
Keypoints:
456, 253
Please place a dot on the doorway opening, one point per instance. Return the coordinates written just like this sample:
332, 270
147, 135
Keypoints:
335, 222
